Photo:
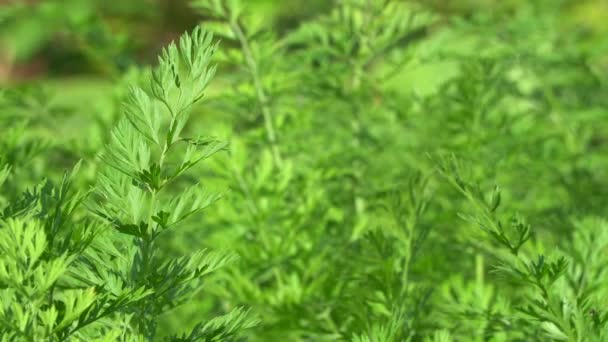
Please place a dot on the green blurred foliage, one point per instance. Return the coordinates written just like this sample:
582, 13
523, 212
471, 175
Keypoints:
398, 170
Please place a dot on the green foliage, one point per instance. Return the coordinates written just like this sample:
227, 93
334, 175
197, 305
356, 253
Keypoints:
65, 274
387, 171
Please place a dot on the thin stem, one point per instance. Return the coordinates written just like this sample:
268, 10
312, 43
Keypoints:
146, 250
479, 272
260, 93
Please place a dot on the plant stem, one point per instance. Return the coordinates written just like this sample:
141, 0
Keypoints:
260, 93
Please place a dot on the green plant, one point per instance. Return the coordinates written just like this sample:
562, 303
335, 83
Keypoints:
66, 275
559, 298
391, 170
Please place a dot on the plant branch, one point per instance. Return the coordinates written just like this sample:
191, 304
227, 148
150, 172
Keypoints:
260, 93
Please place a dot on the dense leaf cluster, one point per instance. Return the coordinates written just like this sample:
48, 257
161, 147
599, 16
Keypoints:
381, 171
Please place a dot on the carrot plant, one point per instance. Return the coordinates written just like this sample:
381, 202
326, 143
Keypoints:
67, 275
365, 170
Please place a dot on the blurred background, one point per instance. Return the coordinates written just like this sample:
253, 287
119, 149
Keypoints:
75, 58
60, 39
78, 56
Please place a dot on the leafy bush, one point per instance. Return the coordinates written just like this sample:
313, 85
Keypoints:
379, 170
